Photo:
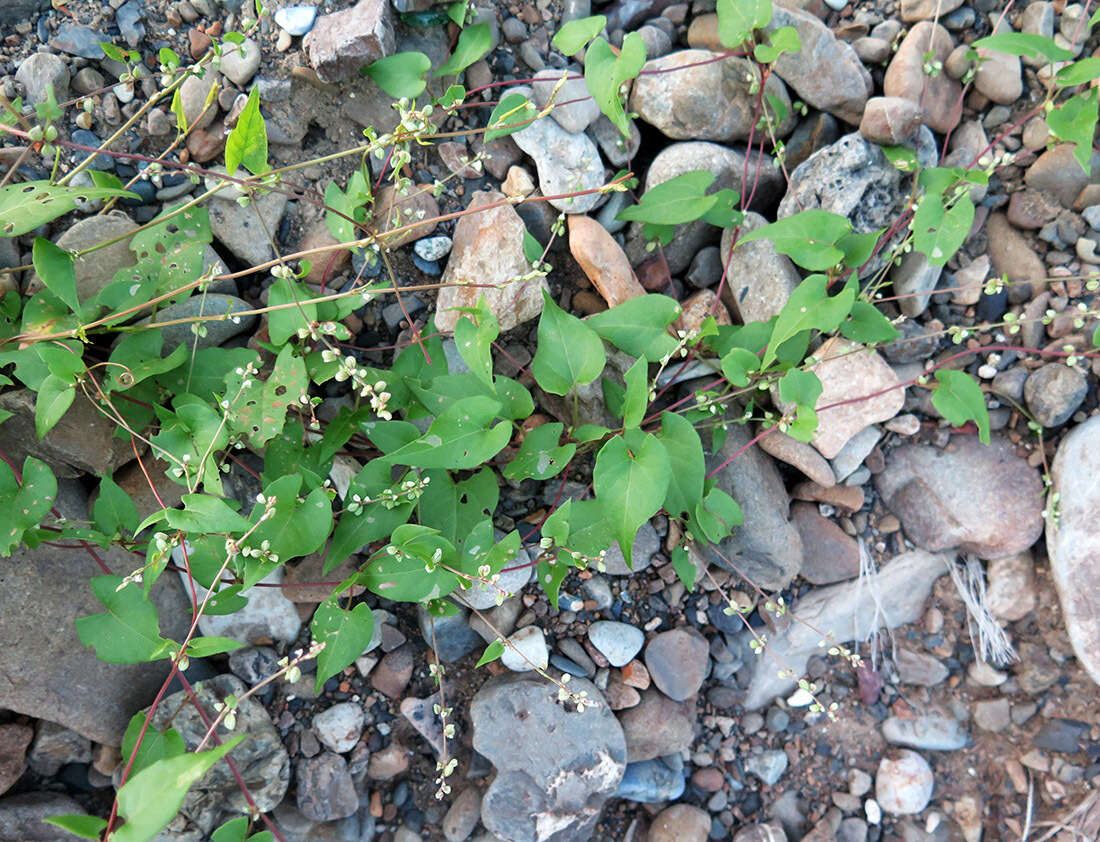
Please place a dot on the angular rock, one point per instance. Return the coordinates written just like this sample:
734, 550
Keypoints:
939, 97
530, 650
914, 10
38, 71
511, 581
766, 548
618, 642
848, 611
650, 782
826, 72
488, 249
340, 43
729, 169
566, 162
850, 372
982, 499
260, 759
759, 279
574, 108
83, 441
194, 94
268, 616
970, 281
217, 331
463, 815
340, 726
22, 817
1073, 541
799, 454
677, 661
55, 746
1011, 588
603, 260
14, 739
247, 232
913, 280
97, 698
835, 553
696, 95
920, 668
617, 149
851, 177
451, 636
646, 544
658, 726
1057, 173
325, 789
555, 768
932, 732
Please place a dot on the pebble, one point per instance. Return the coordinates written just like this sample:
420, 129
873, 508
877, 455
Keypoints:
1010, 592
530, 650
799, 454
992, 714
677, 661
768, 766
388, 763
903, 783
835, 554
650, 782
890, 120
325, 788
680, 823
433, 248
1065, 736
657, 727
603, 260
1057, 173
939, 96
463, 815
14, 739
240, 62
618, 642
920, 668
296, 20
937, 733
574, 108
1054, 392
340, 726
393, 672
252, 664
483, 597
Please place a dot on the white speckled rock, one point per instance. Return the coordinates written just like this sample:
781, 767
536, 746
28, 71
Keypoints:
340, 726
903, 785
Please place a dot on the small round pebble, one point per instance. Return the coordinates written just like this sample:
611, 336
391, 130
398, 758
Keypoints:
680, 823
296, 20
433, 248
903, 785
677, 661
529, 650
618, 642
1054, 392
339, 727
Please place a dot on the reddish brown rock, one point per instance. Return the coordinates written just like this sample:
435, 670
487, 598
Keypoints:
846, 497
890, 119
603, 260
939, 96
799, 454
340, 43
14, 740
833, 555
697, 307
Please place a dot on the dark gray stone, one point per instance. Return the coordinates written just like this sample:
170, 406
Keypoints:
325, 789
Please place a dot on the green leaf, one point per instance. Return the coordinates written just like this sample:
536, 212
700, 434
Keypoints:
1074, 121
475, 341
473, 43
1025, 45
284, 323
858, 248
155, 745
589, 432
808, 237
636, 398
25, 206
137, 357
400, 75
809, 308
540, 457
22, 506
235, 830
86, 827
631, 478
152, 797
298, 527
867, 325
939, 231
128, 631
639, 326
345, 635
551, 575
959, 399
510, 115
1079, 72
738, 364
685, 453
575, 34
55, 267
717, 514
605, 72
493, 651
204, 647
205, 513
684, 566
113, 509
55, 396
247, 143
569, 353
401, 573
459, 438
678, 200
800, 387
783, 40
260, 410
738, 18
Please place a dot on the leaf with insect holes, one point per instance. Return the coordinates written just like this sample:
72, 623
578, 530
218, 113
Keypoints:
540, 456
630, 478
114, 509
573, 35
400, 75
346, 635
260, 409
247, 143
959, 399
55, 267
738, 18
152, 797
510, 115
939, 231
25, 206
569, 352
128, 632
23, 504
473, 43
